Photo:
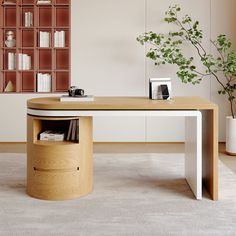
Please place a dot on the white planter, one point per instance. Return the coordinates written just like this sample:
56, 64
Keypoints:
231, 135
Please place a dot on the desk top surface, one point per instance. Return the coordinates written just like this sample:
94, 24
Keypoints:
123, 103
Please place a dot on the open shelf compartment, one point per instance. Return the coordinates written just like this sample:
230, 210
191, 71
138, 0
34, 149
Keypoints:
10, 16
45, 59
27, 81
67, 125
44, 16
27, 38
62, 81
62, 17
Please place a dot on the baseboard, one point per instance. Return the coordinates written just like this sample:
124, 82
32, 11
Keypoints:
138, 142
12, 142
110, 142
115, 143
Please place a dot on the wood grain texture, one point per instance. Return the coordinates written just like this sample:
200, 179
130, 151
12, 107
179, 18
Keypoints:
122, 103
59, 170
210, 151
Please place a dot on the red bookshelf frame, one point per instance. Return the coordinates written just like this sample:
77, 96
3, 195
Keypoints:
52, 60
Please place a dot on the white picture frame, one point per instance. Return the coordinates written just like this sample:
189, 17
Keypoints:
156, 91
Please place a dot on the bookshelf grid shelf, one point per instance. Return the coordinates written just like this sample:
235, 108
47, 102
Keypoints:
42, 46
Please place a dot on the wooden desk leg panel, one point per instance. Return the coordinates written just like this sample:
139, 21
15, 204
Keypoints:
210, 151
193, 154
86, 152
59, 171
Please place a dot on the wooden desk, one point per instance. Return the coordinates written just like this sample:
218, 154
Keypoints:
52, 108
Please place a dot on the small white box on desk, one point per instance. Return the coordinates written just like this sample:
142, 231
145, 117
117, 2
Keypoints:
84, 98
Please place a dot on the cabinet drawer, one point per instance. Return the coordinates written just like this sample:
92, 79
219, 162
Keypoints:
55, 185
56, 157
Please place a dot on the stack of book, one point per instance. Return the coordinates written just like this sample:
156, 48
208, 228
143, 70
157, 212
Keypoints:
50, 135
9, 2
73, 132
44, 83
24, 61
11, 61
44, 39
28, 19
43, 2
59, 39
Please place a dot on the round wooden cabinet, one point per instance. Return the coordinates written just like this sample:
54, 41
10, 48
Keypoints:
59, 170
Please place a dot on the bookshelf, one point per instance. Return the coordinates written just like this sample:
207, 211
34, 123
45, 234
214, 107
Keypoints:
42, 48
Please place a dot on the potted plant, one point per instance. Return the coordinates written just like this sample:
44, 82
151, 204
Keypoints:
167, 49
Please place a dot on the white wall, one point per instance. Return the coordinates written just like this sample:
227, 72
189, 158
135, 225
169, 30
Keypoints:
107, 61
223, 22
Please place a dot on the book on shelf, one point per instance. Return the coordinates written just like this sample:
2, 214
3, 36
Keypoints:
59, 39
11, 65
77, 130
44, 39
73, 131
24, 61
44, 83
44, 2
84, 98
9, 2
28, 19
69, 131
51, 135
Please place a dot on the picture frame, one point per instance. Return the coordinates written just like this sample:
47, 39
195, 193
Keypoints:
160, 89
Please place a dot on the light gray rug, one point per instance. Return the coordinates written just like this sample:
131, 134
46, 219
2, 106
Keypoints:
134, 194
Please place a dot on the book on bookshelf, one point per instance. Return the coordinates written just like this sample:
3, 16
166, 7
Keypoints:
11, 61
43, 2
24, 61
77, 130
59, 39
9, 2
69, 130
28, 19
50, 135
44, 83
84, 98
44, 39
73, 131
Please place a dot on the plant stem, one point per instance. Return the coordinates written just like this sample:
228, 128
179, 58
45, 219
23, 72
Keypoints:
232, 109
203, 75
229, 93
